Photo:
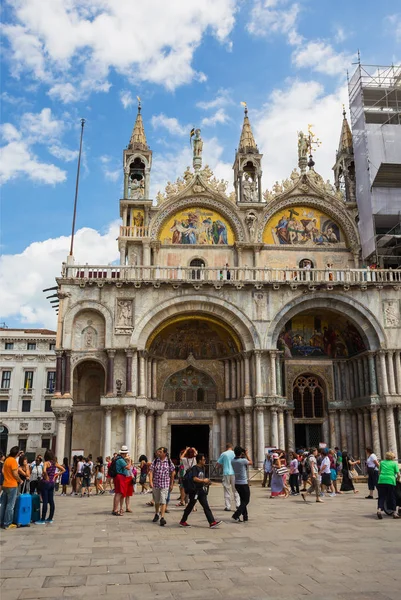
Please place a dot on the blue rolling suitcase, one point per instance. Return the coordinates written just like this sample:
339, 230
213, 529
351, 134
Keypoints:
23, 509
35, 516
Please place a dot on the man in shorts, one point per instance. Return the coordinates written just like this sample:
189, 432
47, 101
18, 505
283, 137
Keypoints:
161, 481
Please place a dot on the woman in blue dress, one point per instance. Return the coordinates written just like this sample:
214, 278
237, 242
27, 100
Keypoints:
65, 477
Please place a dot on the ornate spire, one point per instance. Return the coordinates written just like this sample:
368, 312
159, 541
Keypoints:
345, 144
138, 137
247, 141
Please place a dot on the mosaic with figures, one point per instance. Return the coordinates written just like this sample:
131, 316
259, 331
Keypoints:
302, 225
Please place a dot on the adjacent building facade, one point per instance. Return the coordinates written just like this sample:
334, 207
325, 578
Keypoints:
244, 317
27, 384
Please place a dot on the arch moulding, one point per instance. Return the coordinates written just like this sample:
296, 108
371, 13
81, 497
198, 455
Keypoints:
367, 323
200, 304
80, 306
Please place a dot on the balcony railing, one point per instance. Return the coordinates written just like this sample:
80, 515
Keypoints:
27, 391
5, 391
235, 275
134, 231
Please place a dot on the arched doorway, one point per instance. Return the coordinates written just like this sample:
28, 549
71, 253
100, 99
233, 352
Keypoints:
197, 271
88, 387
308, 396
3, 438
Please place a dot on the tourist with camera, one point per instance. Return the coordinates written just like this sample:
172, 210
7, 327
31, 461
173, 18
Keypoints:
240, 464
197, 486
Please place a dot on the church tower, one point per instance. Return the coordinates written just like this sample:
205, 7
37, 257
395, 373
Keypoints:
344, 168
136, 203
247, 166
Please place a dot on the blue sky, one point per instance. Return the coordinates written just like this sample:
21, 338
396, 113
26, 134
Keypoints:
191, 63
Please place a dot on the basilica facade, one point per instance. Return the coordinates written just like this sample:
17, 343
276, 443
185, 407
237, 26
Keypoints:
244, 317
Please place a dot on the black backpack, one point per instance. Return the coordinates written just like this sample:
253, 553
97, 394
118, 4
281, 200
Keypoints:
112, 472
307, 466
86, 471
188, 481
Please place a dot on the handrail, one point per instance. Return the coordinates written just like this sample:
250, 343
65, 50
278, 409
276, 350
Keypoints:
233, 274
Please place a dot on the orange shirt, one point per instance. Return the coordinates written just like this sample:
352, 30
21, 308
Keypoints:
10, 465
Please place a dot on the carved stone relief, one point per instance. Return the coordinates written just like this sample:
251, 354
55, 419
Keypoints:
88, 332
391, 313
259, 306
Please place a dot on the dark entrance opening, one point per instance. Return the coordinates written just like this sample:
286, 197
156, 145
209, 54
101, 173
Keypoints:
307, 435
196, 436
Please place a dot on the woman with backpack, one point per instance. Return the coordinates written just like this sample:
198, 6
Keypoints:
86, 477
143, 470
187, 461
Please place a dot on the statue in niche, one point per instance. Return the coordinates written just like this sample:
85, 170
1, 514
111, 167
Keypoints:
302, 145
249, 189
89, 336
391, 313
260, 304
124, 313
137, 189
187, 175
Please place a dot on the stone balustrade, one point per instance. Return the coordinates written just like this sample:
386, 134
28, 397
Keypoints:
236, 275
134, 232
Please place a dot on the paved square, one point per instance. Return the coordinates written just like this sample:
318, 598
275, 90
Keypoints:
336, 550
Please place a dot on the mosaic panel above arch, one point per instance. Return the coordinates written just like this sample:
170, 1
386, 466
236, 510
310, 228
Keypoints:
197, 225
302, 226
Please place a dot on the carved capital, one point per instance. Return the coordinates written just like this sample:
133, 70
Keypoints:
62, 414
110, 352
260, 408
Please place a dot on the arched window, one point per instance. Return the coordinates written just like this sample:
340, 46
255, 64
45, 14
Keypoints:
306, 263
200, 395
197, 272
179, 395
308, 397
3, 438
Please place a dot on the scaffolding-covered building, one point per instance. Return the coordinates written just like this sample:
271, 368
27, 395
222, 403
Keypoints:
375, 108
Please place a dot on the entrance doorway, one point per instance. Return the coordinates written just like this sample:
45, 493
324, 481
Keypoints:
196, 436
308, 435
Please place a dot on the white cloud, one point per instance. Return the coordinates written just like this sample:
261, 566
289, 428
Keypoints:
65, 92
63, 153
269, 17
17, 157
126, 98
24, 276
220, 116
222, 99
170, 123
79, 43
109, 172
393, 23
290, 110
322, 58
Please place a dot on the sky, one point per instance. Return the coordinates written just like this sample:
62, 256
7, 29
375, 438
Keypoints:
192, 63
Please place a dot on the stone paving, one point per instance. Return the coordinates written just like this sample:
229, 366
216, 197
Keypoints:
332, 551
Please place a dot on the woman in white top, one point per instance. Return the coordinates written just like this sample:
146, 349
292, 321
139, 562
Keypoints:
372, 465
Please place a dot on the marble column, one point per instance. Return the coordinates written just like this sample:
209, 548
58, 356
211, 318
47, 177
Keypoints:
107, 432
343, 430
267, 428
242, 428
391, 433
279, 381
59, 372
372, 374
110, 372
148, 369
383, 430
135, 373
374, 421
332, 429
128, 372
397, 367
258, 363
239, 382
366, 426
128, 427
383, 373
227, 379
273, 381
158, 429
260, 426
390, 368
142, 377
154, 378
150, 433
354, 428
247, 387
67, 372
361, 433
223, 431
242, 363
325, 430
141, 433
281, 429
274, 427
358, 391
248, 429
234, 428
289, 417
351, 380
365, 368
360, 377
61, 425
349, 430
233, 380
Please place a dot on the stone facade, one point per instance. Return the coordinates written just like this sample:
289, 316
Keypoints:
253, 318
27, 383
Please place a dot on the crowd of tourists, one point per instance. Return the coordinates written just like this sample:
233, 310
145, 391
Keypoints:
319, 473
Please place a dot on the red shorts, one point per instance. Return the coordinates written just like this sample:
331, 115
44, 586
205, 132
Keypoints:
120, 484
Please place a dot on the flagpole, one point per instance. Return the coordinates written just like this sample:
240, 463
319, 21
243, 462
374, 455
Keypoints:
76, 188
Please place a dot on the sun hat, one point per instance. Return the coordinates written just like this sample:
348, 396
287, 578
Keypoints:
275, 455
124, 450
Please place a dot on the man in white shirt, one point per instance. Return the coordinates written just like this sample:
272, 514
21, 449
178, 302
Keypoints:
325, 471
228, 480
372, 465
36, 475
